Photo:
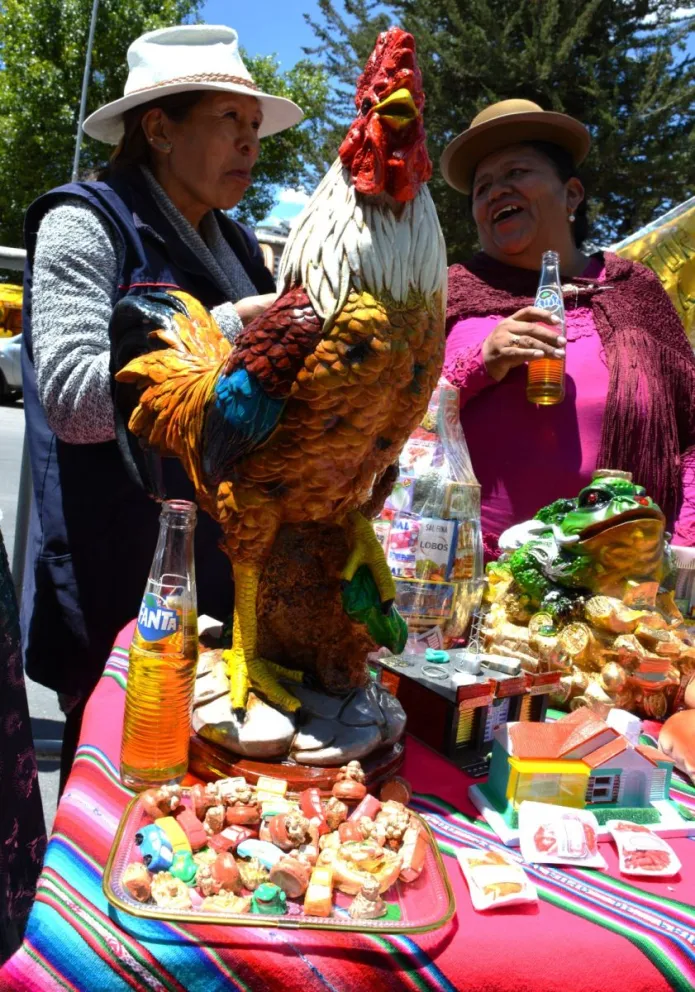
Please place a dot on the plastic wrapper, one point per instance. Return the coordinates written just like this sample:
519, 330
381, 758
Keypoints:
495, 880
559, 835
684, 559
430, 525
641, 851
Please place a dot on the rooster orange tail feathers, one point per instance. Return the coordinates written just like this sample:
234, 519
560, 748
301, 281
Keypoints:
177, 382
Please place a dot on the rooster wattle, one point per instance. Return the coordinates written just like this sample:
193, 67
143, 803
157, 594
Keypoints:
302, 417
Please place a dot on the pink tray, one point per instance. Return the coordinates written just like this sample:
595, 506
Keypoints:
426, 904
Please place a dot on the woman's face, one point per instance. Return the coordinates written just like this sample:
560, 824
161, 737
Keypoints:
211, 153
521, 207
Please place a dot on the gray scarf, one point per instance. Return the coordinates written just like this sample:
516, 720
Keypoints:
211, 247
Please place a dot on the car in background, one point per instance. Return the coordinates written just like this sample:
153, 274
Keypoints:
10, 368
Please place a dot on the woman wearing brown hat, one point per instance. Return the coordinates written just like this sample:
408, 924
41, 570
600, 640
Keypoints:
630, 372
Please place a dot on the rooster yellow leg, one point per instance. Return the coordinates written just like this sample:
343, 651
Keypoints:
245, 669
366, 550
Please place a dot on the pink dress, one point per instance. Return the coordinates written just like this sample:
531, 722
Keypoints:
526, 456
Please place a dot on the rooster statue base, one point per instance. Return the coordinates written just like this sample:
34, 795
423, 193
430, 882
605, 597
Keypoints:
344, 715
291, 434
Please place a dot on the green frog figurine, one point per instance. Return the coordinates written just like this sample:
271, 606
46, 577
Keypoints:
269, 900
586, 588
611, 534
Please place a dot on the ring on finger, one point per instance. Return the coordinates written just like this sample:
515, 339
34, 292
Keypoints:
514, 340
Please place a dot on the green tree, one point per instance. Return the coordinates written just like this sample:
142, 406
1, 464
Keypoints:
42, 50
286, 159
621, 66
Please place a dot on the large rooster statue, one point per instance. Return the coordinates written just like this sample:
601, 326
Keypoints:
302, 417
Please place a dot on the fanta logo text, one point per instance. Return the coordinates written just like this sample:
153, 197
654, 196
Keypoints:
155, 620
548, 299
165, 621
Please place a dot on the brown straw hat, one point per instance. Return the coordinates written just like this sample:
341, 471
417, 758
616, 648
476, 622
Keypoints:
509, 123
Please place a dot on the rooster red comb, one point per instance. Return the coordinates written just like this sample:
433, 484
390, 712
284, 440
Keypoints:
385, 146
391, 66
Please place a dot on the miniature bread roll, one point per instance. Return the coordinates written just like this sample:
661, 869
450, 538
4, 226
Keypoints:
169, 892
138, 881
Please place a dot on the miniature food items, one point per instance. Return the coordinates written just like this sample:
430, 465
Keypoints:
138, 881
495, 879
194, 854
559, 835
169, 892
641, 851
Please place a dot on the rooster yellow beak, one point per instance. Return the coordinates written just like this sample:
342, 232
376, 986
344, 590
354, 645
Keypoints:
398, 109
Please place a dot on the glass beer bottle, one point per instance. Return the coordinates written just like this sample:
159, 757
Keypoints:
545, 383
163, 659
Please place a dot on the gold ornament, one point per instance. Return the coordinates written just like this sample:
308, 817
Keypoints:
667, 247
613, 677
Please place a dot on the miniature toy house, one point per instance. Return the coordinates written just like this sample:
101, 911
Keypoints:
577, 761
458, 712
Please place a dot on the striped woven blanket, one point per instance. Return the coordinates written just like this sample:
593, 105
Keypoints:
591, 932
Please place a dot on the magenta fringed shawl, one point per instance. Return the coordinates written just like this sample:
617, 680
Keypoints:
649, 420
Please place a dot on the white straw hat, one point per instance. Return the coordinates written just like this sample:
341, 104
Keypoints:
187, 57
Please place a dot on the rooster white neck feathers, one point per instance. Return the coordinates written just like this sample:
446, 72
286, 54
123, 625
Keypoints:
344, 241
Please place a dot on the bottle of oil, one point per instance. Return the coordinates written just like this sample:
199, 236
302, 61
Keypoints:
545, 384
163, 658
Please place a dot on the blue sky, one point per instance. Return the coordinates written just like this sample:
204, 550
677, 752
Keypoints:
267, 26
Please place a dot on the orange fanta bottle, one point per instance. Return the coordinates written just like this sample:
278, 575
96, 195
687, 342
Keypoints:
163, 659
545, 384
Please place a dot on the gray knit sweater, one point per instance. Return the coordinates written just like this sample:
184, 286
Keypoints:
76, 267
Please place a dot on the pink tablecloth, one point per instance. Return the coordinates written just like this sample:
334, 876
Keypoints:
591, 931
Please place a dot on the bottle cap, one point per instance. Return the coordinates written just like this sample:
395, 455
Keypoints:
179, 506
179, 513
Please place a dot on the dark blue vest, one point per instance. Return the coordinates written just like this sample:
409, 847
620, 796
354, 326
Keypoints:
93, 529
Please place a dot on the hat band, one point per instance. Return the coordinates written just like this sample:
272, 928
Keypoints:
201, 77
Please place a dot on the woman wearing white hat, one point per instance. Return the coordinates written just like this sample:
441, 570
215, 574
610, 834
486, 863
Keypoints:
187, 133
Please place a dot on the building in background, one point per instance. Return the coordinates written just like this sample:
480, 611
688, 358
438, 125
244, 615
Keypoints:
272, 237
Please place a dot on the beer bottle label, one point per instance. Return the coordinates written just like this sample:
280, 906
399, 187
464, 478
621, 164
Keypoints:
158, 619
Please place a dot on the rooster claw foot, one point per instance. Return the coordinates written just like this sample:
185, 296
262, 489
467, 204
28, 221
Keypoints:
260, 675
366, 550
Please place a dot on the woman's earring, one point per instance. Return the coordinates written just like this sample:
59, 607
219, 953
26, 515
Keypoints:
572, 218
